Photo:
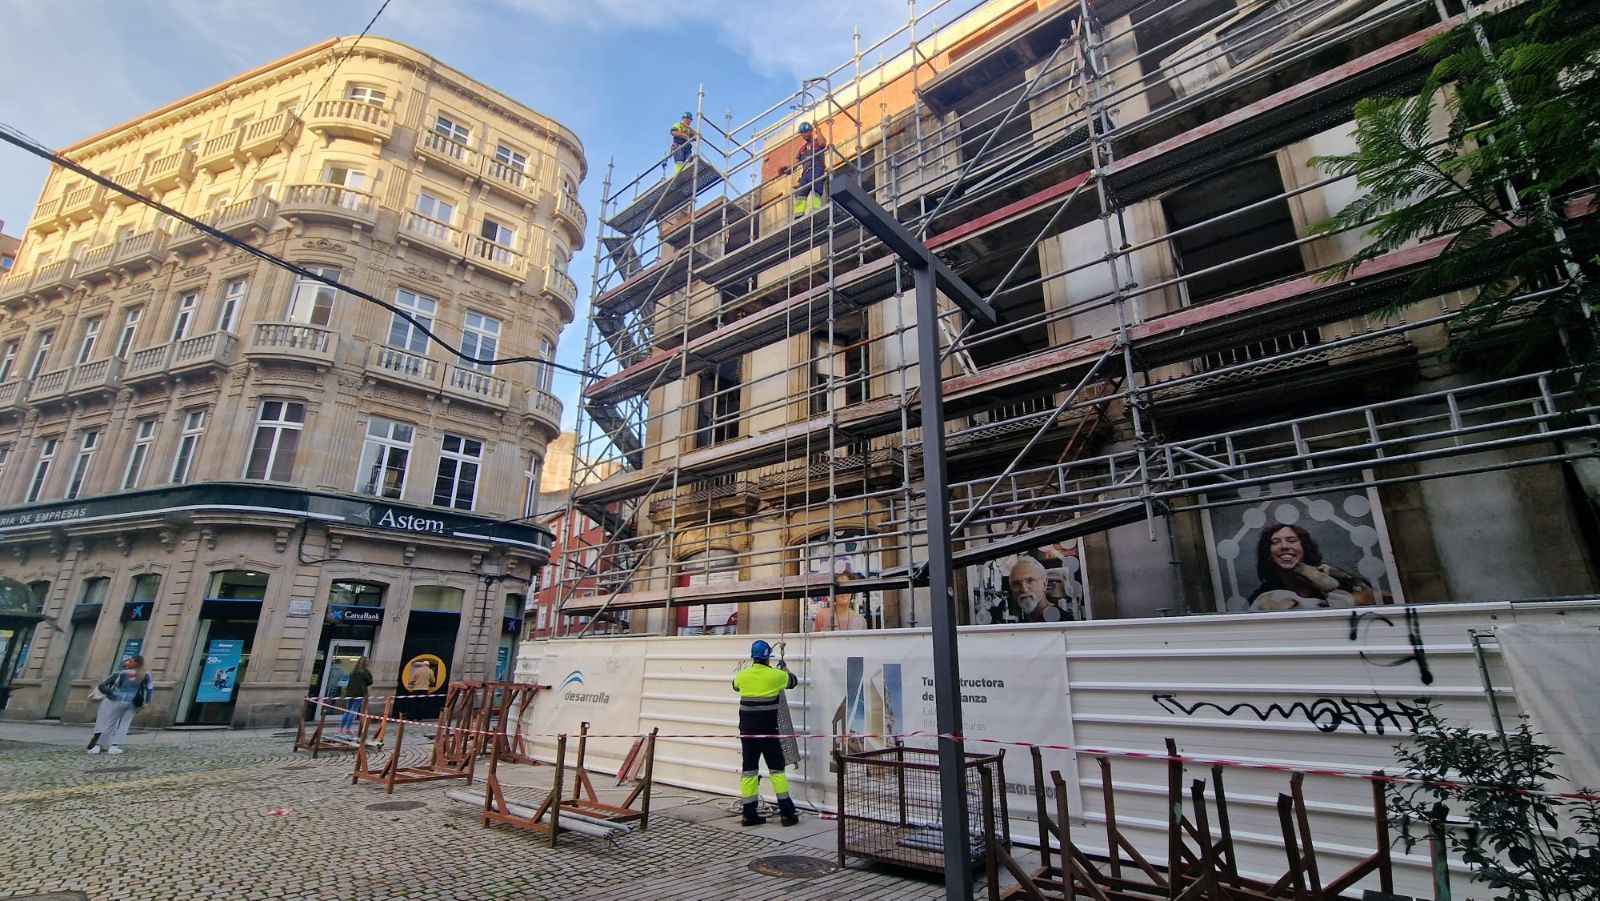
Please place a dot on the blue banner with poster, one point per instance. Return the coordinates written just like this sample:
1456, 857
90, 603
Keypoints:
221, 671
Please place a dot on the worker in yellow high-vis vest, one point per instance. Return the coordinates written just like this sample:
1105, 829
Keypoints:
761, 687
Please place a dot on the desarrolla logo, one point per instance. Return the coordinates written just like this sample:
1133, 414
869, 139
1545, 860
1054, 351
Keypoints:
572, 690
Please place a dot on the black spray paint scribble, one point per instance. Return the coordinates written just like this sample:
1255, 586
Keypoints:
1378, 716
1363, 620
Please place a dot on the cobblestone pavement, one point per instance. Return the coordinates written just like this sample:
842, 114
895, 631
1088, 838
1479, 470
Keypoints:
206, 820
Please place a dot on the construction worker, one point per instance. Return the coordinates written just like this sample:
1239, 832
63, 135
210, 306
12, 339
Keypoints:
683, 138
812, 164
761, 687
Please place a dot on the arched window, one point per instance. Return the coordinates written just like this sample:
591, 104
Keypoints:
712, 567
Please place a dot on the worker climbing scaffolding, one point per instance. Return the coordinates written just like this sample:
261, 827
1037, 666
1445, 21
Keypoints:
811, 162
683, 138
761, 687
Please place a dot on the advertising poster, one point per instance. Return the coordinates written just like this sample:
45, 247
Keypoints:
591, 683
848, 556
221, 671
1045, 585
130, 648
1301, 544
865, 689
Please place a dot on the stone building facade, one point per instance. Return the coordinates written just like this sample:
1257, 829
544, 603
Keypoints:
250, 477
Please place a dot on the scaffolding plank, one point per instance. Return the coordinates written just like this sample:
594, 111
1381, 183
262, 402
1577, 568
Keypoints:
798, 235
655, 280
798, 586
666, 196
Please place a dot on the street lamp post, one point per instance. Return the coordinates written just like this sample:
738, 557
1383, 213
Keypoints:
929, 276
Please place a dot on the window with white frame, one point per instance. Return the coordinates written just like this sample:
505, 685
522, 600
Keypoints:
5, 457
404, 333
457, 484
498, 239
144, 437
41, 352
41, 468
311, 302
366, 93
129, 331
509, 164
8, 359
530, 490
91, 335
434, 216
87, 443
194, 426
277, 439
385, 458
480, 339
447, 127
183, 320
233, 294
543, 372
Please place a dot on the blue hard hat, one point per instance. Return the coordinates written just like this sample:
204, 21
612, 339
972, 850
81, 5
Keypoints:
760, 650
805, 127
688, 115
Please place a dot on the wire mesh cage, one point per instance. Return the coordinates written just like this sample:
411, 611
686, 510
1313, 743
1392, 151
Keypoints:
890, 809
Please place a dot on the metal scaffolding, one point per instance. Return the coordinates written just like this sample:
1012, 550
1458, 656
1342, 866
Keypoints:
751, 402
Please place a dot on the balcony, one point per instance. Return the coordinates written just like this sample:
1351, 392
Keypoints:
440, 236
221, 153
97, 260
545, 407
146, 249
478, 387
146, 364
351, 119
511, 181
47, 218
450, 152
127, 178
402, 367
212, 349
263, 138
486, 254
249, 219
167, 172
101, 375
328, 203
14, 396
292, 341
571, 215
50, 385
52, 276
83, 203
15, 285
561, 288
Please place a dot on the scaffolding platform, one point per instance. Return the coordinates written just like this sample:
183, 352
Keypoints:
667, 195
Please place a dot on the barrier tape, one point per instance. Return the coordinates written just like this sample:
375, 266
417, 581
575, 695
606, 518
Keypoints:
1162, 756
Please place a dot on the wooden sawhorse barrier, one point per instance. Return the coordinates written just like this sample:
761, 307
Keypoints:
584, 811
313, 739
456, 744
1204, 862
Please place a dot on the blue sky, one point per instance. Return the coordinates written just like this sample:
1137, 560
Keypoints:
618, 72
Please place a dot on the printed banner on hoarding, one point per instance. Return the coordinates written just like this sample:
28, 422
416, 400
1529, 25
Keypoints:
593, 683
1044, 585
221, 671
883, 684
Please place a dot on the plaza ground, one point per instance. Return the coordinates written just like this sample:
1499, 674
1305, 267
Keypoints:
238, 815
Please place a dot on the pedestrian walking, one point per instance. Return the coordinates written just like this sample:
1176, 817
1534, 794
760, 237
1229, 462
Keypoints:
122, 694
761, 689
354, 697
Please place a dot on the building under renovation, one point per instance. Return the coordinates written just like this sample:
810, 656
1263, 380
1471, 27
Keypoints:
1174, 381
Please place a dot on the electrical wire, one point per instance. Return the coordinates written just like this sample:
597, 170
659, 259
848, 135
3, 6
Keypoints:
14, 136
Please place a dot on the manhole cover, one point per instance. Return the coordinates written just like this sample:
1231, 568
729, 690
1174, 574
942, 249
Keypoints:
50, 896
792, 866
105, 769
397, 805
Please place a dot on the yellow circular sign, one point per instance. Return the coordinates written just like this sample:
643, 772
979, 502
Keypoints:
423, 673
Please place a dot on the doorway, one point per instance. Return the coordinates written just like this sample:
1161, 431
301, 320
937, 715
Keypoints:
343, 655
84, 617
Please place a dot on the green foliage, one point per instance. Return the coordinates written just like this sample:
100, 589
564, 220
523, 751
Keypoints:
1526, 847
1521, 121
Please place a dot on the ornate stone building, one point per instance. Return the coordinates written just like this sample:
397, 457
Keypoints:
243, 474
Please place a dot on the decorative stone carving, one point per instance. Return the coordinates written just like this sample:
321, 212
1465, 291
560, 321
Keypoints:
194, 272
418, 272
335, 544
409, 554
209, 536
323, 244
280, 539
123, 544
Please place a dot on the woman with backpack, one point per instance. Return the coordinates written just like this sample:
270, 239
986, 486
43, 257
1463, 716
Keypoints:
121, 694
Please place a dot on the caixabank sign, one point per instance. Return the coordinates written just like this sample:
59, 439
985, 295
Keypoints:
276, 500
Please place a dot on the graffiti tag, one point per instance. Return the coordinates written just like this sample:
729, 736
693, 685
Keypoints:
1363, 621
1377, 716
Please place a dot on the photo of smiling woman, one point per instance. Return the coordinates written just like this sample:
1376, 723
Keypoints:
1293, 576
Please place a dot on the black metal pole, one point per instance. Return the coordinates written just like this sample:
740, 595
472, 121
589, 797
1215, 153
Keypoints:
941, 596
